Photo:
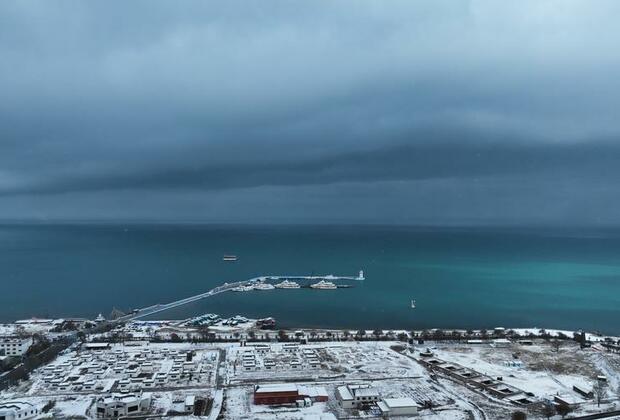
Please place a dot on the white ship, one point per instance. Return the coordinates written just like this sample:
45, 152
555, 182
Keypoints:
326, 285
264, 286
230, 258
287, 285
242, 288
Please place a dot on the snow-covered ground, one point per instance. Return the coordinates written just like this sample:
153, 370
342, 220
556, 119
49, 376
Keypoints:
353, 360
495, 362
541, 369
388, 366
238, 405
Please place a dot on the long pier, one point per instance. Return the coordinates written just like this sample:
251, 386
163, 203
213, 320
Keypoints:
161, 307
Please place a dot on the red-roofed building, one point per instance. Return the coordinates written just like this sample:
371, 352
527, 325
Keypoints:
276, 394
287, 393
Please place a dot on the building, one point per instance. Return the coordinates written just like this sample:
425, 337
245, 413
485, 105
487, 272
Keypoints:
276, 394
12, 345
97, 346
190, 403
501, 342
116, 405
583, 392
18, 410
314, 393
353, 396
398, 407
288, 394
567, 400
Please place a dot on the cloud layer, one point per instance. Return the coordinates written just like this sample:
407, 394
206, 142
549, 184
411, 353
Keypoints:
469, 111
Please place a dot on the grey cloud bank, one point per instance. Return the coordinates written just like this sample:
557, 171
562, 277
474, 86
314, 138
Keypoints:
399, 112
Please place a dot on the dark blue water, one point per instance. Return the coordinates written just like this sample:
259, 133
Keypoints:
459, 277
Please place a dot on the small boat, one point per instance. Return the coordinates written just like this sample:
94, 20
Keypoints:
412, 303
324, 285
264, 286
286, 284
229, 258
266, 323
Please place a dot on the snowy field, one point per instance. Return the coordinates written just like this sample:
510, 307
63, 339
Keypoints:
542, 370
127, 368
353, 360
228, 372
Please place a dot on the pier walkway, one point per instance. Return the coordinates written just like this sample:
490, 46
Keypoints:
160, 307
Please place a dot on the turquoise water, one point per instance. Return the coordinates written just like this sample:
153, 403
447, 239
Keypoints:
465, 278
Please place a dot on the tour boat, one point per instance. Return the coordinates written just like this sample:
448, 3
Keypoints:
287, 285
325, 285
264, 286
229, 258
242, 288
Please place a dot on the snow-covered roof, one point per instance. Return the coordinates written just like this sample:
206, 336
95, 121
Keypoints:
366, 392
312, 391
9, 406
344, 393
276, 388
96, 345
568, 399
399, 402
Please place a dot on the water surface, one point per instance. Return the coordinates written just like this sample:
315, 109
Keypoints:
459, 277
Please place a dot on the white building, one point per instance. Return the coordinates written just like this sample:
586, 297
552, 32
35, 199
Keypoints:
116, 405
11, 345
352, 396
18, 410
501, 342
190, 403
398, 407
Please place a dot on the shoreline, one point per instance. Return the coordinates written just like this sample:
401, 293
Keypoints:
34, 325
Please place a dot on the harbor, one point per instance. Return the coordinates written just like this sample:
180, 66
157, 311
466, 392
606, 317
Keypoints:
325, 282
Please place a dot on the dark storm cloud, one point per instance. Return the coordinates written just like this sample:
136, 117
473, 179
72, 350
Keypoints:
228, 102
399, 162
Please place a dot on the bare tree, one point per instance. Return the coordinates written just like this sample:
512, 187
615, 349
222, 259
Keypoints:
599, 392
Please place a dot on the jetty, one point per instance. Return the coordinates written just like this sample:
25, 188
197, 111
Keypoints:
161, 307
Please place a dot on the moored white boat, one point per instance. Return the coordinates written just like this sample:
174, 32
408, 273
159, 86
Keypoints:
286, 284
264, 286
324, 285
242, 288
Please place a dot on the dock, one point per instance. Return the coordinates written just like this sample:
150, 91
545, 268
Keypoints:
161, 307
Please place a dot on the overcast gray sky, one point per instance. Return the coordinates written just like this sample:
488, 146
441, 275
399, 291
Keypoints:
337, 111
